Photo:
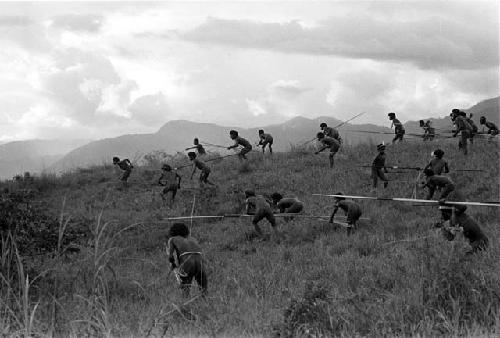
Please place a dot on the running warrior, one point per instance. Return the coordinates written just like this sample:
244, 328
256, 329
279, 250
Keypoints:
328, 142
240, 141
429, 131
184, 255
199, 164
492, 128
352, 210
126, 166
171, 181
330, 132
459, 221
287, 205
265, 139
437, 164
258, 206
378, 167
463, 127
199, 148
432, 182
399, 130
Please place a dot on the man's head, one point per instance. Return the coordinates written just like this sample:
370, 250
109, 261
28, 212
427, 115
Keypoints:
320, 136
392, 116
337, 198
196, 141
323, 125
381, 147
166, 167
249, 193
261, 131
421, 122
276, 197
179, 229
233, 134
428, 172
460, 209
438, 153
116, 160
482, 120
192, 155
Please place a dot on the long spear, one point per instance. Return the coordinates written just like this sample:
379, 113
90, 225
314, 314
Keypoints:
414, 168
209, 160
245, 215
397, 199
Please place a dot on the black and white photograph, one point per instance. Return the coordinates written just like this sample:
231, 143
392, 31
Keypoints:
250, 168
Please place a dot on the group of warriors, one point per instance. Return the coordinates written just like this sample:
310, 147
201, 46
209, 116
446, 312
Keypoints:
185, 254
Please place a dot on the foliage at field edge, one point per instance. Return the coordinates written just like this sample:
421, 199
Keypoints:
80, 254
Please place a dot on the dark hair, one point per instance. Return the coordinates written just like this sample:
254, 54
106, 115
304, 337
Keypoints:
249, 193
339, 198
320, 135
276, 196
421, 122
178, 229
438, 153
192, 154
392, 115
428, 172
116, 159
233, 132
455, 111
482, 120
196, 140
166, 167
381, 146
323, 124
261, 131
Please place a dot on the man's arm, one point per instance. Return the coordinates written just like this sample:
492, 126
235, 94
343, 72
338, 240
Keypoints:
171, 251
178, 180
333, 213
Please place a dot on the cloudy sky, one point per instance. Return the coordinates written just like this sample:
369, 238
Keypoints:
95, 70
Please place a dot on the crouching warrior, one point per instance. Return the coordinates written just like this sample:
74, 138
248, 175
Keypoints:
185, 259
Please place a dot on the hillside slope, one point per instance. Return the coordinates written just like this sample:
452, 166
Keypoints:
395, 276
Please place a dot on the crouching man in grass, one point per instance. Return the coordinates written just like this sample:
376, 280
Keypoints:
126, 166
455, 220
287, 205
184, 255
258, 206
352, 210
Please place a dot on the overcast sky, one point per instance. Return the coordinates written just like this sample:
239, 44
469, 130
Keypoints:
95, 70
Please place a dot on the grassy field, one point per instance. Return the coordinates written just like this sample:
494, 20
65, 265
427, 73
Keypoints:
395, 276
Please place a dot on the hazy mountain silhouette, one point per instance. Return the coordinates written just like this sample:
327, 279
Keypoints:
33, 155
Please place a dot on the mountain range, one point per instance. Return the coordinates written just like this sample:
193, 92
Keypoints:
57, 156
